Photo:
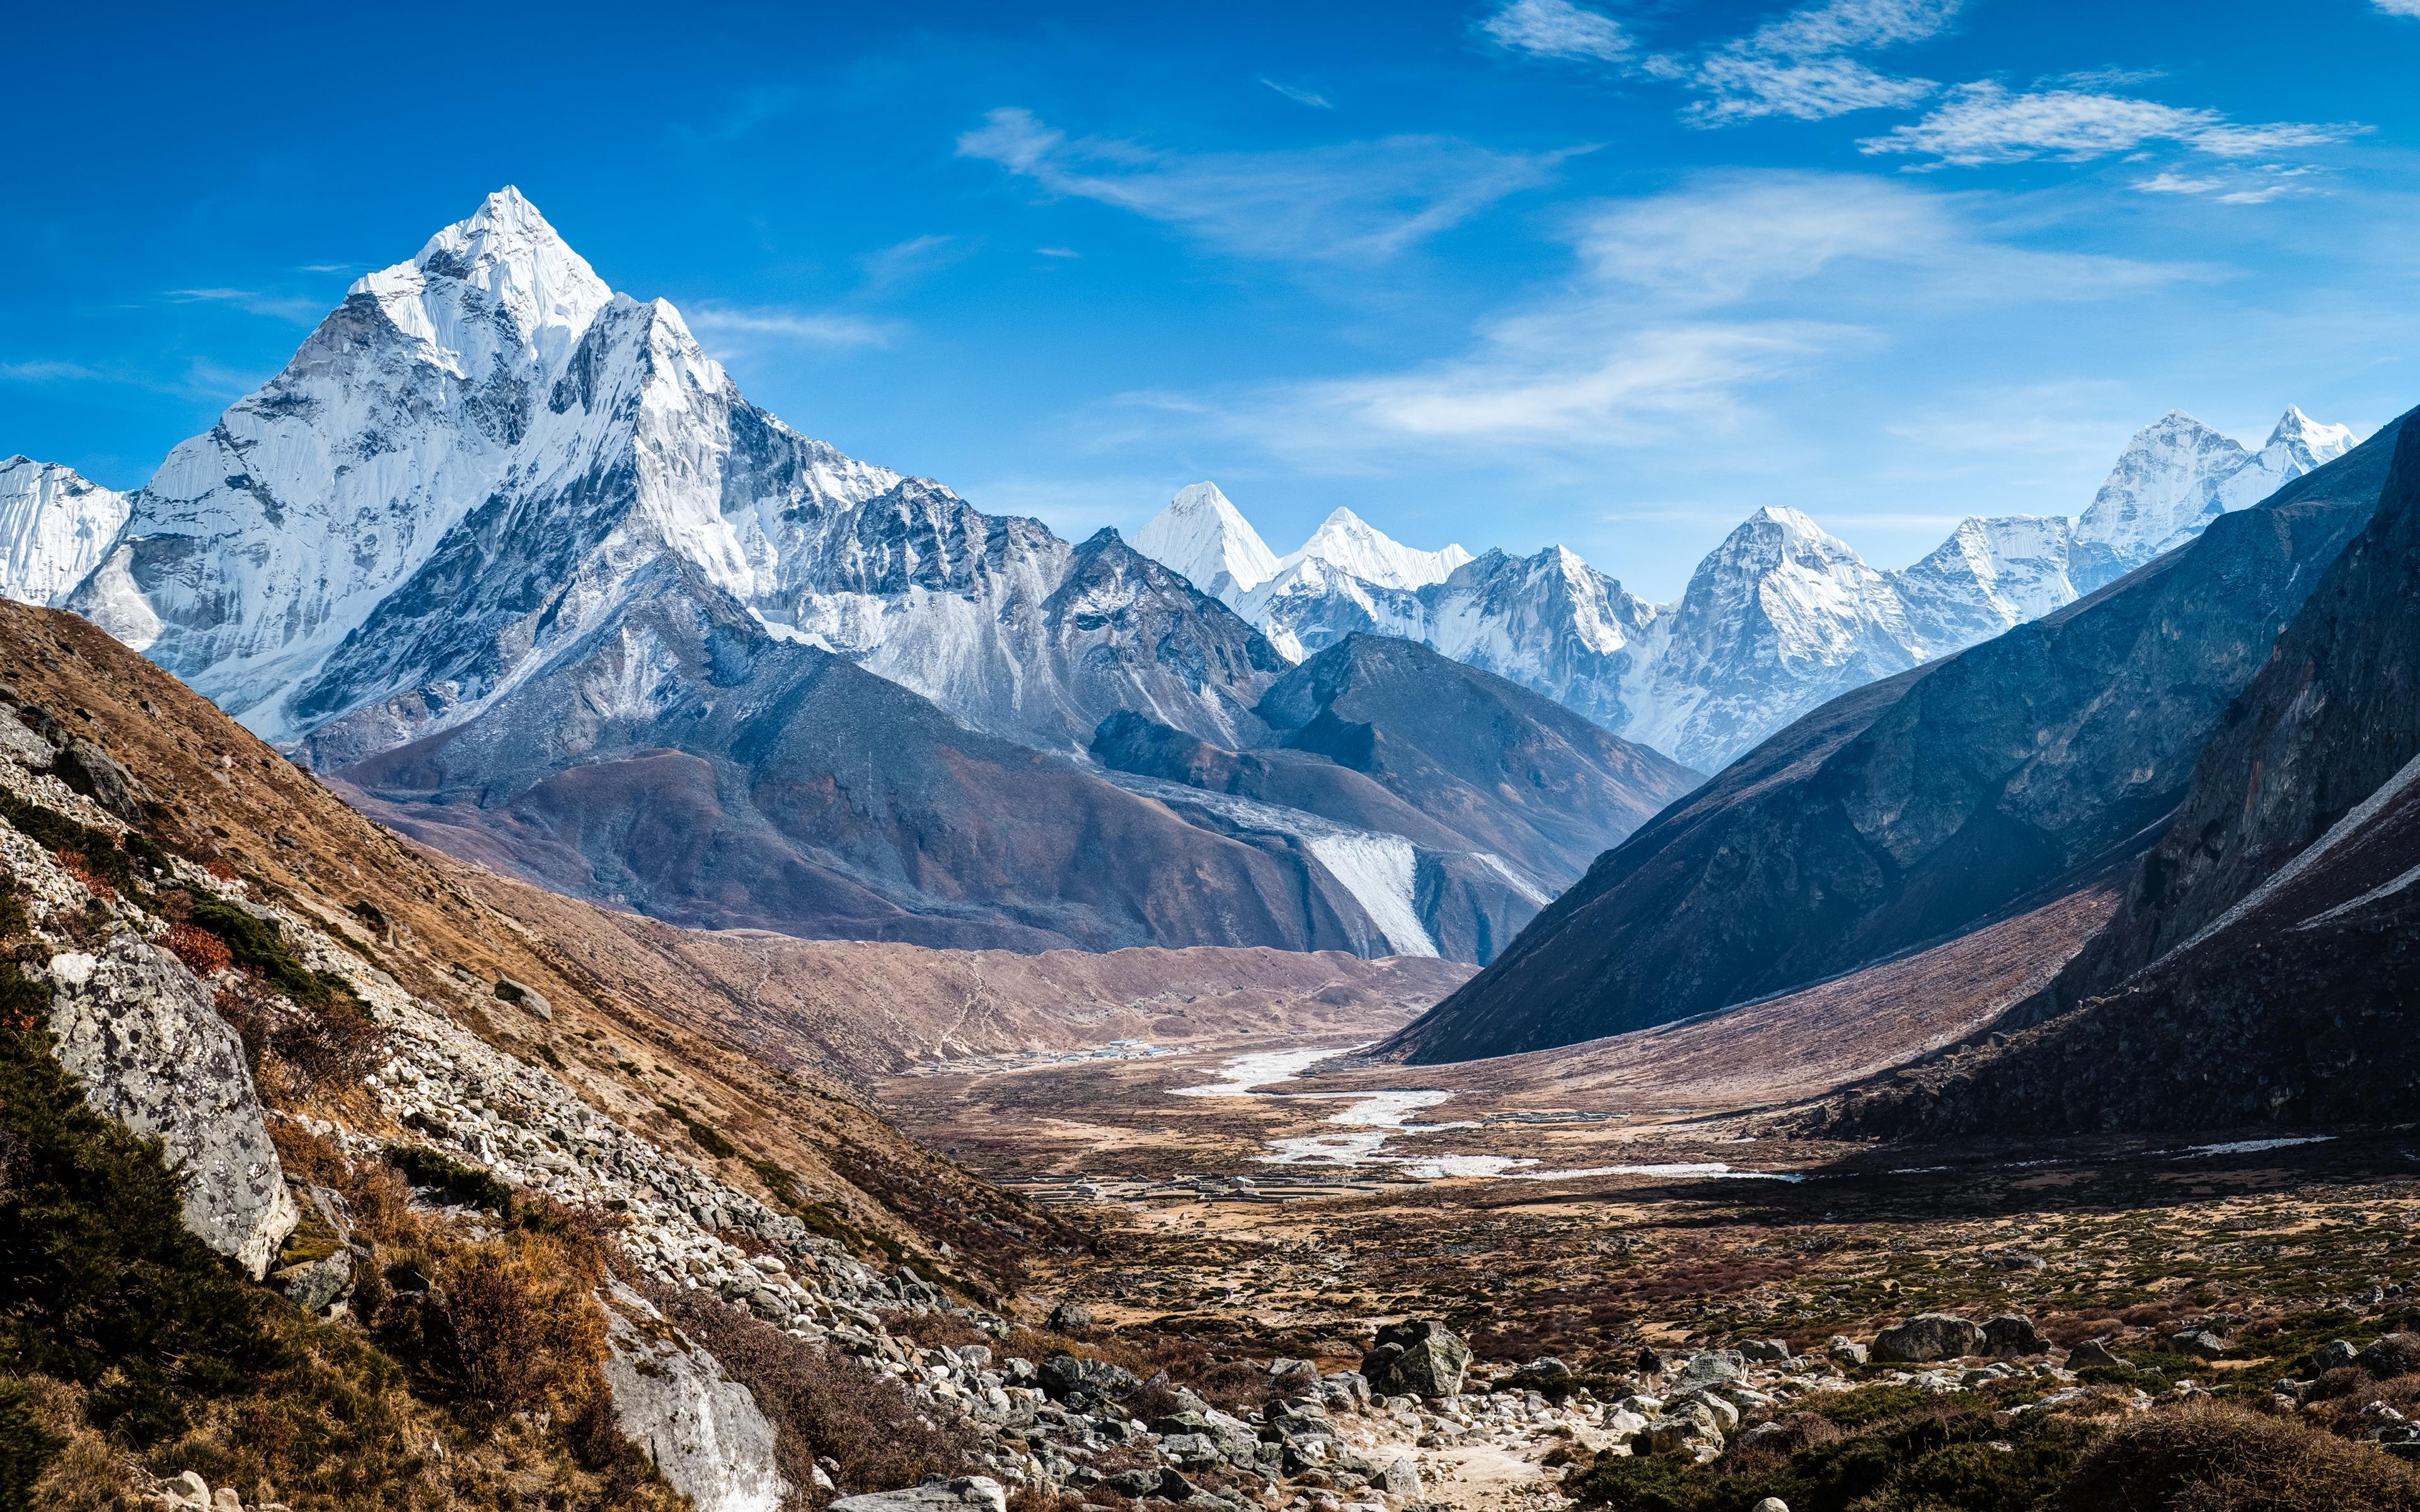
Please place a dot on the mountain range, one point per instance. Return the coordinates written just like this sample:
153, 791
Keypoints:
1777, 619
1930, 804
504, 554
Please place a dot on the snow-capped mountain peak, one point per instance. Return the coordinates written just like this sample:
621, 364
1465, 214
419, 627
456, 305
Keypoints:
55, 527
1344, 540
1203, 537
2308, 442
508, 251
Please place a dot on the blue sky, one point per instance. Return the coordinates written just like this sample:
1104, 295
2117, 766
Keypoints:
1611, 275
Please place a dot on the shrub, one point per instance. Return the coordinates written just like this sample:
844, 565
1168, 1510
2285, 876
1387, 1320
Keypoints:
204, 953
2210, 1457
822, 1404
100, 1282
466, 1184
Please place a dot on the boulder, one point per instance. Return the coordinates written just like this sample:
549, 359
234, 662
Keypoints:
314, 1284
2198, 1342
1771, 1504
1845, 1350
1064, 1374
1070, 1317
1401, 1477
1417, 1358
1764, 1351
1542, 1371
2397, 1354
2092, 1352
95, 773
2334, 1355
528, 998
2011, 1336
138, 1033
704, 1431
1928, 1336
1347, 1390
967, 1493
1713, 1367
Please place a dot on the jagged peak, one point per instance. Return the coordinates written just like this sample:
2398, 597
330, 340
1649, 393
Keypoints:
1203, 537
510, 251
2325, 442
1351, 544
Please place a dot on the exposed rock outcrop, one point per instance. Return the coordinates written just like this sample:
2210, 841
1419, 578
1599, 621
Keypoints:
701, 1430
137, 1031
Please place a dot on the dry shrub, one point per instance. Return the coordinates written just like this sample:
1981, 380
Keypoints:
204, 953
77, 866
822, 1403
1770, 1451
504, 1328
2210, 1457
932, 1329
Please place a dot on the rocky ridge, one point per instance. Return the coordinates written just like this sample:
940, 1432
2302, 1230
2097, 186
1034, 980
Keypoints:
1778, 618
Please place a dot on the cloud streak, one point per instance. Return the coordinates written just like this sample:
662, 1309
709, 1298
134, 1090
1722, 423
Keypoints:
1298, 95
1361, 202
1558, 29
1799, 66
800, 327
1987, 123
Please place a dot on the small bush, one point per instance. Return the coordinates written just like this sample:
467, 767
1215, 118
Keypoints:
703, 1135
823, 1404
466, 1184
204, 953
2210, 1457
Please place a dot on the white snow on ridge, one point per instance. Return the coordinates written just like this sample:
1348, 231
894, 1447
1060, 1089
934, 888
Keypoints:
1204, 539
1347, 540
1378, 870
56, 526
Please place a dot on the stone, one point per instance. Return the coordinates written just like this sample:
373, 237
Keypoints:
1928, 1336
1064, 1374
226, 1500
2015, 1259
23, 745
2397, 1354
315, 1284
1346, 1389
95, 773
2334, 1355
530, 999
138, 1033
1771, 1504
1070, 1315
1845, 1350
1401, 1477
2198, 1342
190, 1488
979, 1493
704, 1431
2092, 1352
2011, 1336
1764, 1351
1417, 1358
1713, 1367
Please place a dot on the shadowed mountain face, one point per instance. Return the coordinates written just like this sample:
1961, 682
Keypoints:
1923, 805
2265, 963
1464, 800
681, 762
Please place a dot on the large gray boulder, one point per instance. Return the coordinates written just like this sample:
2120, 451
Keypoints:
967, 1493
702, 1430
2013, 1337
138, 1033
1928, 1336
1419, 1358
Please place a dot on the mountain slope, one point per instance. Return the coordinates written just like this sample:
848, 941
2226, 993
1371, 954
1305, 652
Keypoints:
2265, 963
1919, 807
56, 524
678, 759
467, 463
1454, 803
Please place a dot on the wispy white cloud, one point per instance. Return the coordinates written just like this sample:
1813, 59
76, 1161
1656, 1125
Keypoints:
302, 309
1058, 252
1799, 65
1558, 29
2253, 186
2400, 8
1682, 306
1986, 122
1358, 202
1298, 94
902, 261
42, 370
803, 327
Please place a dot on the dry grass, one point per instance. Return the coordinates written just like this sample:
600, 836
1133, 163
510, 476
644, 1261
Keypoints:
2217, 1459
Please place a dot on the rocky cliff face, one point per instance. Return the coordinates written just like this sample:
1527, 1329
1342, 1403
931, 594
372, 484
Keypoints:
1449, 804
1919, 807
2262, 965
55, 527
